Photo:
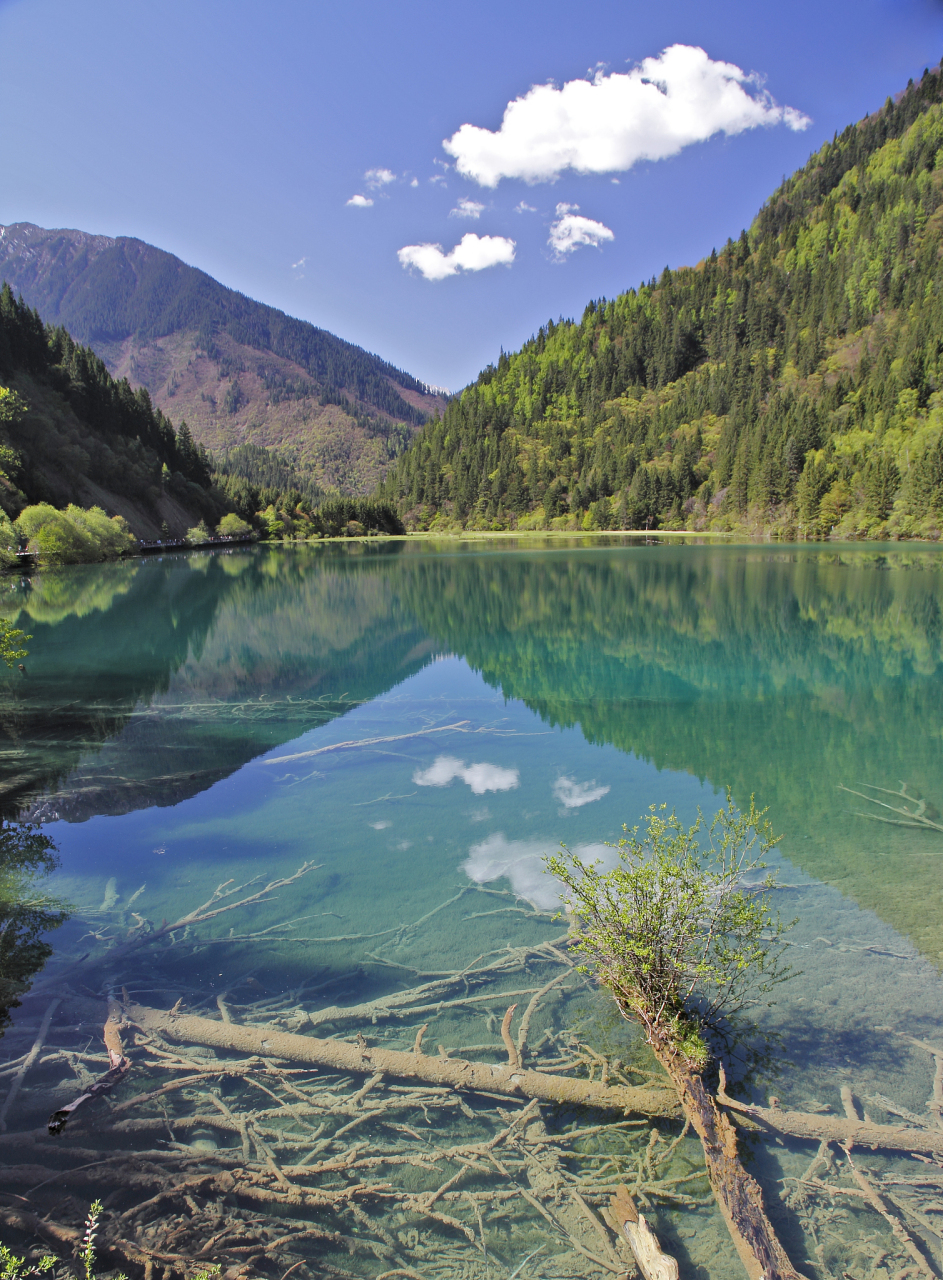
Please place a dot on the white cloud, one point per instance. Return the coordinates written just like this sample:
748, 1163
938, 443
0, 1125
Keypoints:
467, 209
524, 207
522, 862
472, 253
571, 230
415, 182
380, 826
379, 177
360, 202
609, 123
300, 263
573, 794
480, 777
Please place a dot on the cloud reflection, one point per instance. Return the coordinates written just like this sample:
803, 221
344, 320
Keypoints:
480, 777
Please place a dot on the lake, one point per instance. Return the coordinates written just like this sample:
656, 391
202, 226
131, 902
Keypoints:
415, 726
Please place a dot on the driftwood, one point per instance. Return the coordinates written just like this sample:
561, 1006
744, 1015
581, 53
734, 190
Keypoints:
519, 1082
846, 1132
652, 1260
737, 1193
503, 1078
120, 1066
68, 1241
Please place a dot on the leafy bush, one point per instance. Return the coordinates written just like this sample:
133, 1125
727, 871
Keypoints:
9, 542
677, 931
73, 536
10, 637
231, 526
199, 533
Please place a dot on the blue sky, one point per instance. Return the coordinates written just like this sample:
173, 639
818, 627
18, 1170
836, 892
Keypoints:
234, 135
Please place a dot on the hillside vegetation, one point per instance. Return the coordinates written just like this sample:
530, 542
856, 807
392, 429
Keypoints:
790, 383
238, 371
72, 434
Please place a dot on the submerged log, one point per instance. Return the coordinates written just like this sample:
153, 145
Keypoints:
652, 1260
503, 1078
737, 1192
845, 1131
494, 1078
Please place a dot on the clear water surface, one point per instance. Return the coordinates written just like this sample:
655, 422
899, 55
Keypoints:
181, 723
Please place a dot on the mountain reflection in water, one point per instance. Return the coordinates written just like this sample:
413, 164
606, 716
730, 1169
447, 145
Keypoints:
178, 728
785, 674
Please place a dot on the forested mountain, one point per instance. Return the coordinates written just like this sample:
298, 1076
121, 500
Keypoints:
238, 371
70, 433
791, 382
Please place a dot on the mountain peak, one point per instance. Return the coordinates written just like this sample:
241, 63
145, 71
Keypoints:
237, 370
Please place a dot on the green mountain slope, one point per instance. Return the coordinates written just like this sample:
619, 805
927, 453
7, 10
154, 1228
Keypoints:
237, 371
790, 383
70, 433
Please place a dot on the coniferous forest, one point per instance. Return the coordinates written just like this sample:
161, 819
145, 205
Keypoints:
790, 383
69, 430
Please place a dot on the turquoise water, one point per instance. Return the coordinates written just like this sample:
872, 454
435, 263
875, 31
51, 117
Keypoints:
424, 724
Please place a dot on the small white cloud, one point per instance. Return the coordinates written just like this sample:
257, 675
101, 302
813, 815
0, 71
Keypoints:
563, 208
467, 209
524, 207
379, 177
611, 122
480, 777
572, 231
438, 178
380, 826
573, 794
360, 202
522, 862
295, 266
472, 253
415, 182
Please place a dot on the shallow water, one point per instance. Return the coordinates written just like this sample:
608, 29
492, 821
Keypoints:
182, 723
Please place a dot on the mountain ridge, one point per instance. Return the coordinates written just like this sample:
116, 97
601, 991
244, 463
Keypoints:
236, 370
791, 384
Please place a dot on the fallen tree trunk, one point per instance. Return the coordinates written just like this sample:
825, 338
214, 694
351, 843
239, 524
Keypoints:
502, 1078
487, 1077
737, 1192
847, 1132
651, 1258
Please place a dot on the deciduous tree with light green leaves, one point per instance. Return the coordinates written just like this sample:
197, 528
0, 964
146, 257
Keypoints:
232, 526
73, 536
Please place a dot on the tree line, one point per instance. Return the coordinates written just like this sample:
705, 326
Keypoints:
790, 382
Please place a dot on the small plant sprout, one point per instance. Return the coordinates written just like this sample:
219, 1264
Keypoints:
676, 931
87, 1252
14, 1268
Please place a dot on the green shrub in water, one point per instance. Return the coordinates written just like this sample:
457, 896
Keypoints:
679, 932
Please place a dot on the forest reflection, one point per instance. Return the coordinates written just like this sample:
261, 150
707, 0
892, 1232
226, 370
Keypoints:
781, 674
785, 674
